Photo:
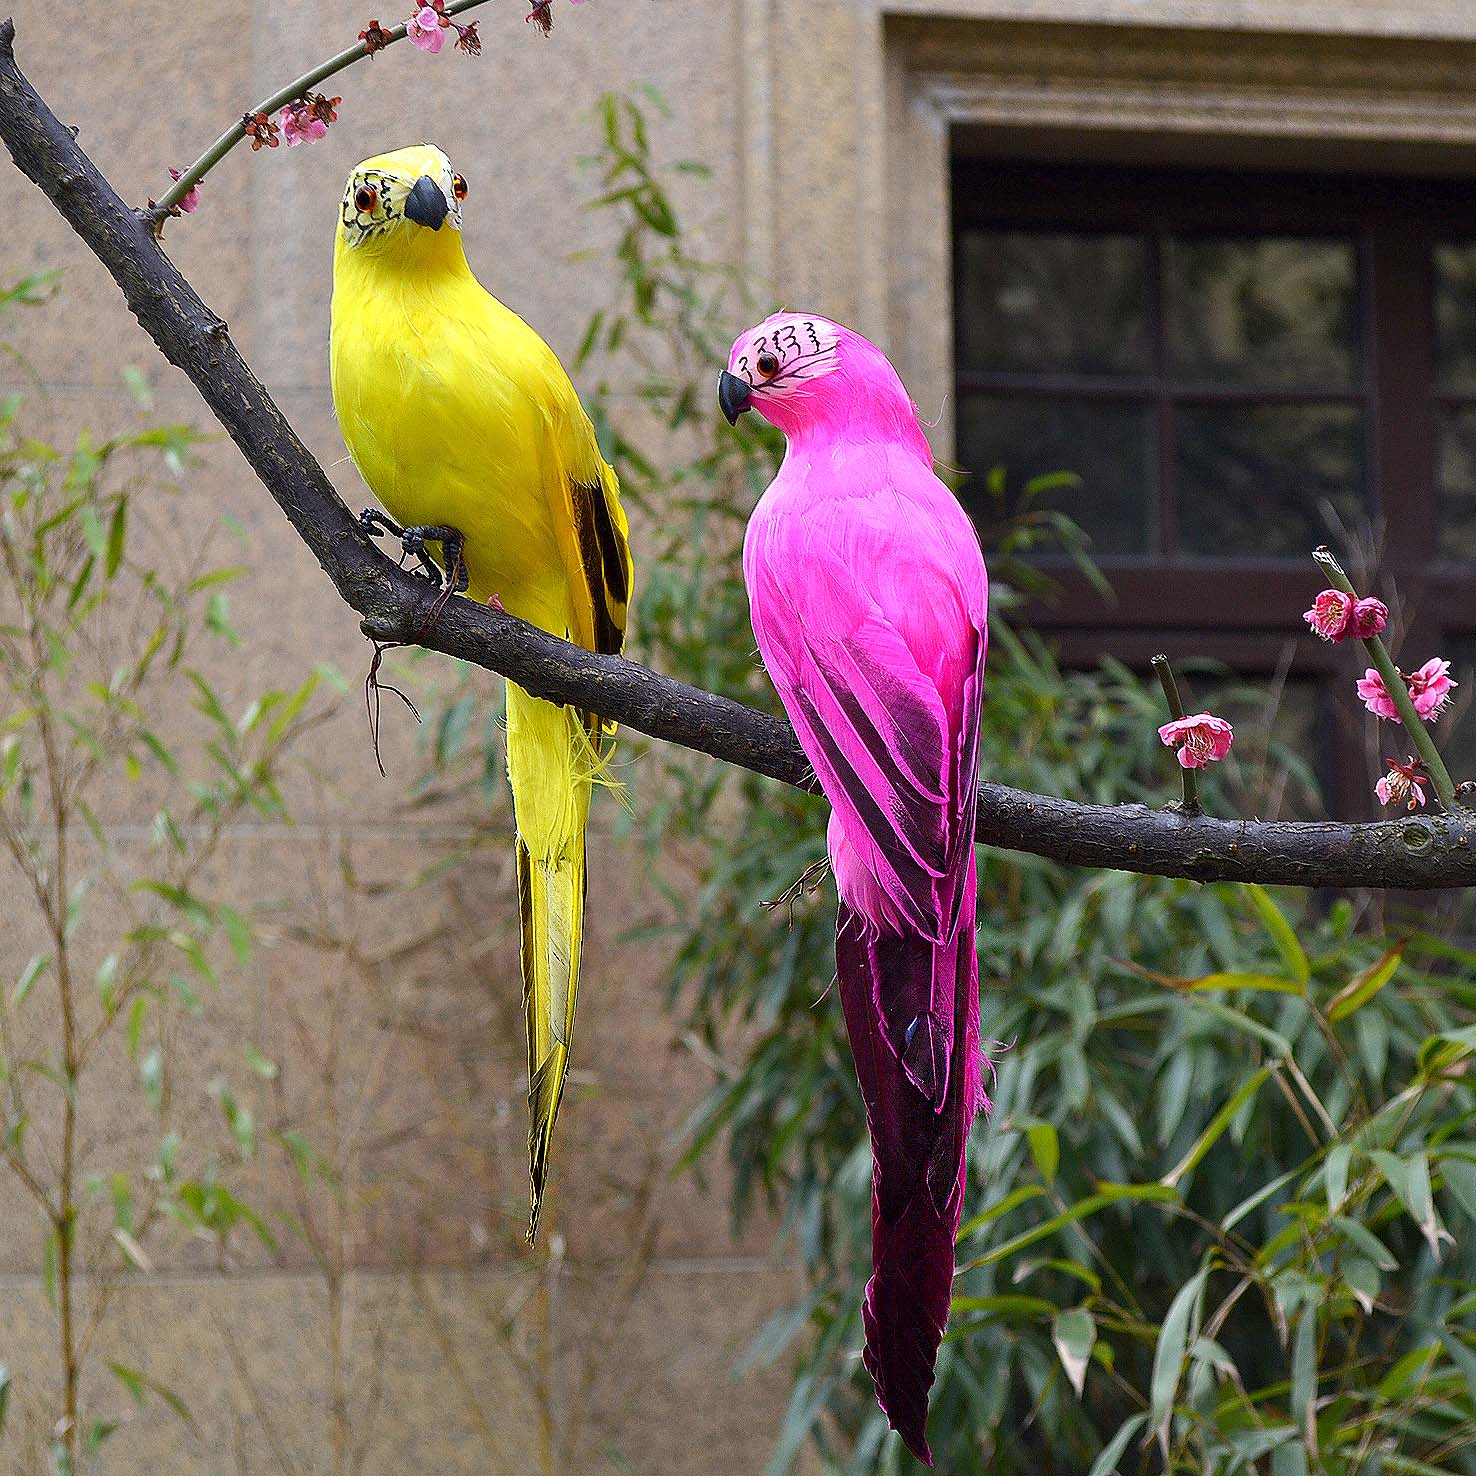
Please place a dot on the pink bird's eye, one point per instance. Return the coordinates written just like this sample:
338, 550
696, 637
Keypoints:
768, 364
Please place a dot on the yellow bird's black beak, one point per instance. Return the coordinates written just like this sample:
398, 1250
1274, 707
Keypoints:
426, 203
735, 395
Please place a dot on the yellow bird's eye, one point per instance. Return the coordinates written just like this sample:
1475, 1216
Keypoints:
768, 364
458, 186
366, 197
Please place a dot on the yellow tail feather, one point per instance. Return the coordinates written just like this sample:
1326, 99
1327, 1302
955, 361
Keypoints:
549, 755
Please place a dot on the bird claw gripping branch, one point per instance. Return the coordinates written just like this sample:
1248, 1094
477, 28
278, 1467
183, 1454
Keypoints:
413, 541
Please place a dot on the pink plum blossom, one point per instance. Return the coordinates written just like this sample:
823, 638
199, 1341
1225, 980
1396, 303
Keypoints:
189, 202
424, 29
1404, 784
1330, 615
1429, 688
1370, 616
1202, 739
1375, 695
1336, 616
300, 126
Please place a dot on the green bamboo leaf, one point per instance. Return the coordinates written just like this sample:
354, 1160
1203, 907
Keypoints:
1280, 930
1106, 1463
1217, 1125
117, 537
107, 979
1289, 1459
1079, 1211
1335, 1175
140, 1385
1168, 1357
135, 1024
1045, 1149
1259, 983
1460, 1179
92, 531
1304, 1376
1364, 986
1363, 1280
1012, 1200
1409, 1178
27, 981
1462, 1356
259, 1064
1007, 1305
1366, 1241
1254, 1201
1073, 1333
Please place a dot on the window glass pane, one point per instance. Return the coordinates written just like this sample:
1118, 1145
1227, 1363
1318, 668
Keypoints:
1250, 478
1267, 311
1455, 316
1037, 302
1455, 475
1107, 446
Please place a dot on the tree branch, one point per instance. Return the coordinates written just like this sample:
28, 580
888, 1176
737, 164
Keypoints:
1423, 851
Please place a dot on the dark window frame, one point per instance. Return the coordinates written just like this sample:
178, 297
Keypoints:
1244, 611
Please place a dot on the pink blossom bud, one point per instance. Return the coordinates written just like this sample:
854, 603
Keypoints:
1370, 616
190, 201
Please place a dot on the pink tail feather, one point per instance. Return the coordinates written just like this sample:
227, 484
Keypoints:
917, 1150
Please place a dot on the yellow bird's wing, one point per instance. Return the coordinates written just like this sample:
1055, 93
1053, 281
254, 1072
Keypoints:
588, 520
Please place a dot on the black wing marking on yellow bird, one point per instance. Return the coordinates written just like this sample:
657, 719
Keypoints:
605, 560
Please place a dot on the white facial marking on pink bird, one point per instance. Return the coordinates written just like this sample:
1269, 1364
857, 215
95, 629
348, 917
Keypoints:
781, 357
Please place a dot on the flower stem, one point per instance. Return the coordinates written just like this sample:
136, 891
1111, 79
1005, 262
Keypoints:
1165, 674
1394, 684
237, 132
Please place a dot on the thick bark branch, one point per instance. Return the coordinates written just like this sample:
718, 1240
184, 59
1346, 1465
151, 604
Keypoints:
1423, 851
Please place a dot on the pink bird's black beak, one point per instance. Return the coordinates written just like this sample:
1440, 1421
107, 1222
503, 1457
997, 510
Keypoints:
735, 395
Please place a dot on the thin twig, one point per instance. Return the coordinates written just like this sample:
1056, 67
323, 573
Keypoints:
1165, 673
1394, 684
236, 133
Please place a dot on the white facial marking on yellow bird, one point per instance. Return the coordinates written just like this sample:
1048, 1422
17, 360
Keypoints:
373, 202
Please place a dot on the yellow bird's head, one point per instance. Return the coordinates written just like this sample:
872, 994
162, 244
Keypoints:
402, 202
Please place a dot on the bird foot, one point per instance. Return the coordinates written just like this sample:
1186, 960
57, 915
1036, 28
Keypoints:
494, 602
413, 541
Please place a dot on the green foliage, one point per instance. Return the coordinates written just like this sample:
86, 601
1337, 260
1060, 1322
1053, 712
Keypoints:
107, 714
1207, 1221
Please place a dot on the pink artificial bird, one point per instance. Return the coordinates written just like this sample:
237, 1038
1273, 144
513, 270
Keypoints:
869, 601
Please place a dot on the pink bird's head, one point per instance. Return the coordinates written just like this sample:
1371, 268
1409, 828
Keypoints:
812, 377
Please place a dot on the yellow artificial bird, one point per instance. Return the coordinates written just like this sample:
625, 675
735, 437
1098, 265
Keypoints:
464, 424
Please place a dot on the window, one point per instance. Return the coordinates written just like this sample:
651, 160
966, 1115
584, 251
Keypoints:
1237, 367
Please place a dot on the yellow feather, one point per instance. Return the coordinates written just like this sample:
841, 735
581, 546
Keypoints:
455, 412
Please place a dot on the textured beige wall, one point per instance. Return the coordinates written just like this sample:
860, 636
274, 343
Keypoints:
827, 149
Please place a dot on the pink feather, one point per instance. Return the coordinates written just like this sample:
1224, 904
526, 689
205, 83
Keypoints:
869, 601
